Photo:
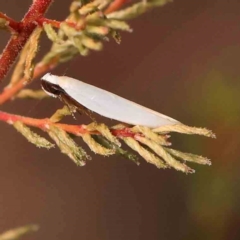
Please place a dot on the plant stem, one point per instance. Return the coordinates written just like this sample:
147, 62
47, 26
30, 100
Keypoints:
56, 24
11, 91
115, 5
15, 26
7, 57
73, 129
17, 41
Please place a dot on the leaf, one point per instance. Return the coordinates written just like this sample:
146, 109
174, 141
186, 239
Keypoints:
60, 114
68, 146
96, 147
32, 94
104, 131
181, 128
16, 233
31, 136
51, 33
137, 9
3, 23
31, 53
148, 156
161, 152
103, 141
189, 157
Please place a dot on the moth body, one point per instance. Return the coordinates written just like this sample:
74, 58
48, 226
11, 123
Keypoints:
103, 102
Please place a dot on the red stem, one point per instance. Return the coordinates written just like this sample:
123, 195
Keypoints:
39, 70
17, 42
46, 122
11, 23
56, 24
115, 5
36, 11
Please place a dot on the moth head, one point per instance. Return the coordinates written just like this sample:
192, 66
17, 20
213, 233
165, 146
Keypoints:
48, 77
50, 85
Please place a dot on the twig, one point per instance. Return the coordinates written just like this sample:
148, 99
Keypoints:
115, 5
73, 129
17, 41
40, 68
15, 26
11, 91
57, 24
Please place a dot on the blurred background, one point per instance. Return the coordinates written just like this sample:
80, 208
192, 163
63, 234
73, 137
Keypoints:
181, 60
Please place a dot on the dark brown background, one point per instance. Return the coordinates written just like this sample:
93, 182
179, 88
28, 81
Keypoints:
182, 60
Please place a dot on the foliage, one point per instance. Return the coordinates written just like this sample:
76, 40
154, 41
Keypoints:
88, 26
16, 233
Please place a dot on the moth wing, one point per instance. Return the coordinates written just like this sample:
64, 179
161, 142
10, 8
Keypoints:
113, 106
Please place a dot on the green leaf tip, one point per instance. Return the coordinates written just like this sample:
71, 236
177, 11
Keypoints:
68, 146
16, 233
31, 136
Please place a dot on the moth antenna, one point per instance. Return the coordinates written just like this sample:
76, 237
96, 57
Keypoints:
65, 71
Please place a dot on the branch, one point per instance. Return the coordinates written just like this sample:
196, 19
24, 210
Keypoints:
107, 143
83, 30
11, 23
98, 27
57, 24
44, 124
13, 48
17, 42
115, 5
11, 91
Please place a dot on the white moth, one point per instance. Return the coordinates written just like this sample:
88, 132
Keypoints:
103, 102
